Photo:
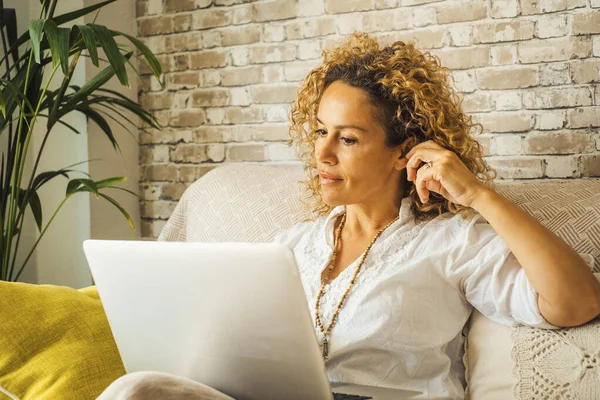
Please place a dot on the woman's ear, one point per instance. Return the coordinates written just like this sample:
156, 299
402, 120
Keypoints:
405, 146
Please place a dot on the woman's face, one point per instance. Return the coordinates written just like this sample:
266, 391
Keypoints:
350, 147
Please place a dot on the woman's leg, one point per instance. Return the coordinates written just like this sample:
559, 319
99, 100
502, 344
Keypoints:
149, 385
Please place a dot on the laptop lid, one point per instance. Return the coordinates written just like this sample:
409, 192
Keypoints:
232, 316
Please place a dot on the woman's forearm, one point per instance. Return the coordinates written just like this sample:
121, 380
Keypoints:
568, 292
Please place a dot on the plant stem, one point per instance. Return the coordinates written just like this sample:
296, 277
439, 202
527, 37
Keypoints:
40, 237
25, 148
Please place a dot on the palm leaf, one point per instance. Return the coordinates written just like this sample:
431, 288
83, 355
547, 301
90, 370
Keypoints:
110, 182
115, 58
100, 121
153, 62
90, 42
35, 31
125, 214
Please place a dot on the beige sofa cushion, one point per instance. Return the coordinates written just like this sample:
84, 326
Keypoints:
252, 202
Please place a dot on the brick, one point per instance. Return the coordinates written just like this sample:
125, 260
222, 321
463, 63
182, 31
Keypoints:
293, 30
242, 15
179, 62
172, 191
461, 12
241, 76
157, 209
561, 167
272, 53
554, 74
548, 26
191, 173
557, 97
550, 120
464, 58
597, 96
517, 167
314, 27
210, 97
274, 10
584, 117
243, 115
269, 94
183, 42
174, 6
464, 81
380, 4
277, 113
280, 152
270, 132
508, 144
155, 43
421, 16
208, 59
246, 153
298, 70
346, 6
595, 3
212, 18
504, 8
586, 23
507, 78
477, 102
547, 50
309, 49
506, 101
141, 8
209, 77
189, 153
385, 20
188, 118
310, 8
151, 228
596, 40
461, 35
240, 97
272, 73
430, 38
273, 33
529, 7
227, 2
183, 80
182, 22
155, 26
590, 165
564, 142
492, 32
159, 172
215, 116
504, 54
241, 35
506, 122
231, 133
240, 56
585, 72
211, 39
486, 144
156, 101
348, 23
154, 154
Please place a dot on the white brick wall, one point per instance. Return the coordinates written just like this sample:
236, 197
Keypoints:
528, 70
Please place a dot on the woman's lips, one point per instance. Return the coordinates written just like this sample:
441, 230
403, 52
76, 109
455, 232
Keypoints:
327, 179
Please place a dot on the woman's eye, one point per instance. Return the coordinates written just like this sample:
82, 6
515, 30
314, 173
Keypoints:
348, 141
320, 131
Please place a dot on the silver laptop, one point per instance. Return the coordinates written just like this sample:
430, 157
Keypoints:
232, 316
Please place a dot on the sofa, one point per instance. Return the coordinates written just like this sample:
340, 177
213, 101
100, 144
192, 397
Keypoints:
55, 342
250, 203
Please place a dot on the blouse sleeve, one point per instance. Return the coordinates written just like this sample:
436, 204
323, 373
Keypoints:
492, 280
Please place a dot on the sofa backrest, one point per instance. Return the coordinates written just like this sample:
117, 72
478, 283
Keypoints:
250, 203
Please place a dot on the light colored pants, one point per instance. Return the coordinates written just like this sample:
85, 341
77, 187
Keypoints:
149, 385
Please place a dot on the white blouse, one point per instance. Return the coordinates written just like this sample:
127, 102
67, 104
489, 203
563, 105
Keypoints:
401, 325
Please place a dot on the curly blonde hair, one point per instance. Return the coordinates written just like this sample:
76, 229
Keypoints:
412, 97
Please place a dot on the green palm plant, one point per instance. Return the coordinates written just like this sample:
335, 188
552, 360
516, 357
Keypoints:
26, 100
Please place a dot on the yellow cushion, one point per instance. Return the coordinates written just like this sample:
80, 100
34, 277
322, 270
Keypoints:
55, 343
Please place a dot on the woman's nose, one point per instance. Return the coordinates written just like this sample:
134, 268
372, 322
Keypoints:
325, 150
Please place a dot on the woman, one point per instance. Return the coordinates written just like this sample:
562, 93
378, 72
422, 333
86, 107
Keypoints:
411, 235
